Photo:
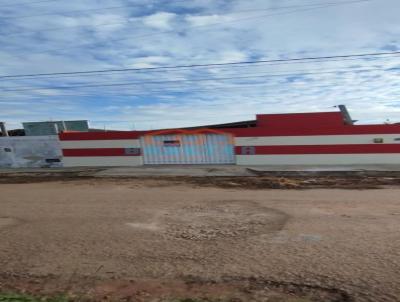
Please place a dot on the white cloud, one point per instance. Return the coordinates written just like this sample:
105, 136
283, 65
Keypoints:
197, 32
149, 61
232, 56
106, 23
160, 20
199, 20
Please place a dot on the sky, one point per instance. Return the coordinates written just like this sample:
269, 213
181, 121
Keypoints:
50, 36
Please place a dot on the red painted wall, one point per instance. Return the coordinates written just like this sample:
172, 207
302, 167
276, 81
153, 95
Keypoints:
300, 120
97, 152
293, 124
324, 149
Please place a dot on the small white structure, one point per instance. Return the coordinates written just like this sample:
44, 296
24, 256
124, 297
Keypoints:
30, 151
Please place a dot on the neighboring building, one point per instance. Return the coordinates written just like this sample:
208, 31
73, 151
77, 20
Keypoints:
325, 138
16, 132
37, 145
54, 127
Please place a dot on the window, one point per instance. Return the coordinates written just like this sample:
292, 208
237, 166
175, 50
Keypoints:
52, 160
248, 150
132, 151
172, 143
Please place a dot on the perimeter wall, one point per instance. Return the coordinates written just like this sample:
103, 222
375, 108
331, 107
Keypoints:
278, 139
30, 152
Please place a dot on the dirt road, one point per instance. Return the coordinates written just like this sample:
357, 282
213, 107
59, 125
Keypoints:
132, 238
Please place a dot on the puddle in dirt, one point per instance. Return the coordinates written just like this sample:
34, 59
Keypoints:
223, 220
144, 226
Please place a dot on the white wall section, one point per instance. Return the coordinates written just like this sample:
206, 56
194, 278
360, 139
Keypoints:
316, 140
102, 161
30, 151
97, 144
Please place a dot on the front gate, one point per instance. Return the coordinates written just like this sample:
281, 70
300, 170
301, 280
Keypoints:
199, 148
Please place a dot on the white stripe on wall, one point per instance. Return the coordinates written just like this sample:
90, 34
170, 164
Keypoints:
92, 144
319, 159
102, 161
316, 140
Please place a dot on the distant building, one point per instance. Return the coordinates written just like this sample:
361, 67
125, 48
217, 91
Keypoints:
54, 127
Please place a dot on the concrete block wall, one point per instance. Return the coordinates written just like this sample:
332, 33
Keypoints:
30, 152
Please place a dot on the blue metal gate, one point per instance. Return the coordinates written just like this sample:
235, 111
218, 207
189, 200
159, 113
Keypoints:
188, 149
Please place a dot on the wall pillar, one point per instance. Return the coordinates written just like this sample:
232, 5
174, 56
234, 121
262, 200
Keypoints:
3, 129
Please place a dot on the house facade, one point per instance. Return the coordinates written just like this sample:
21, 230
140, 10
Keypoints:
324, 138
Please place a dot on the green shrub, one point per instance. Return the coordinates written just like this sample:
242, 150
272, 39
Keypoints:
28, 298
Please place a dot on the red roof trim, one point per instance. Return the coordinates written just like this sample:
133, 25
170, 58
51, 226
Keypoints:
345, 130
186, 131
112, 135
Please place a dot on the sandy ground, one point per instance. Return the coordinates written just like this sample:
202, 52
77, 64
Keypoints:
131, 239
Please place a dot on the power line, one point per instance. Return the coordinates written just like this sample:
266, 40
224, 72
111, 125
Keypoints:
106, 8
98, 9
180, 81
206, 25
230, 66
309, 59
74, 11
188, 90
138, 93
291, 73
127, 21
129, 92
26, 3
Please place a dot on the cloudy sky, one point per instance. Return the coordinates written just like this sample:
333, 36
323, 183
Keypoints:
48, 36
